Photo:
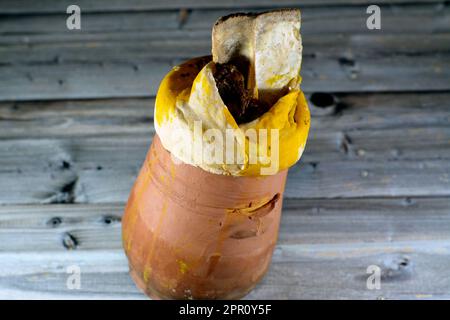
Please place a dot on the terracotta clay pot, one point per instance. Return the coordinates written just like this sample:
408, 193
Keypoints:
191, 234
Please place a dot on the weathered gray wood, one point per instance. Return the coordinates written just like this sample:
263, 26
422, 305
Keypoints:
365, 220
352, 19
72, 118
305, 221
381, 63
395, 146
316, 20
91, 151
369, 179
113, 22
324, 249
92, 141
50, 6
103, 170
129, 45
81, 80
339, 272
84, 80
123, 47
297, 272
31, 39
119, 117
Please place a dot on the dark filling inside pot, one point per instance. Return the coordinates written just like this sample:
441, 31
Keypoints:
239, 100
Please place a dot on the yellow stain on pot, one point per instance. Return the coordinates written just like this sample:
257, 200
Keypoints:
141, 184
147, 273
155, 235
188, 93
134, 202
183, 266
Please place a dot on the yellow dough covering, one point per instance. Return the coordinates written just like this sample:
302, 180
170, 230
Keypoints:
188, 103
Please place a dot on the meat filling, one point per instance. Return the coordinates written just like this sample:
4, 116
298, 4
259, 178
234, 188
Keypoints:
231, 85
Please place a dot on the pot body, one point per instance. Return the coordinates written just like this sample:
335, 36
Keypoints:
191, 234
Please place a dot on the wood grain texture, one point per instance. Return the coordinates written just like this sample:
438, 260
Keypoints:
118, 47
108, 175
49, 6
323, 250
41, 59
372, 188
305, 275
89, 70
134, 116
136, 48
434, 18
91, 151
352, 19
103, 170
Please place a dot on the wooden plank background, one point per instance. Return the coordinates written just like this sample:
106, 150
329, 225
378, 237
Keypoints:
373, 186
